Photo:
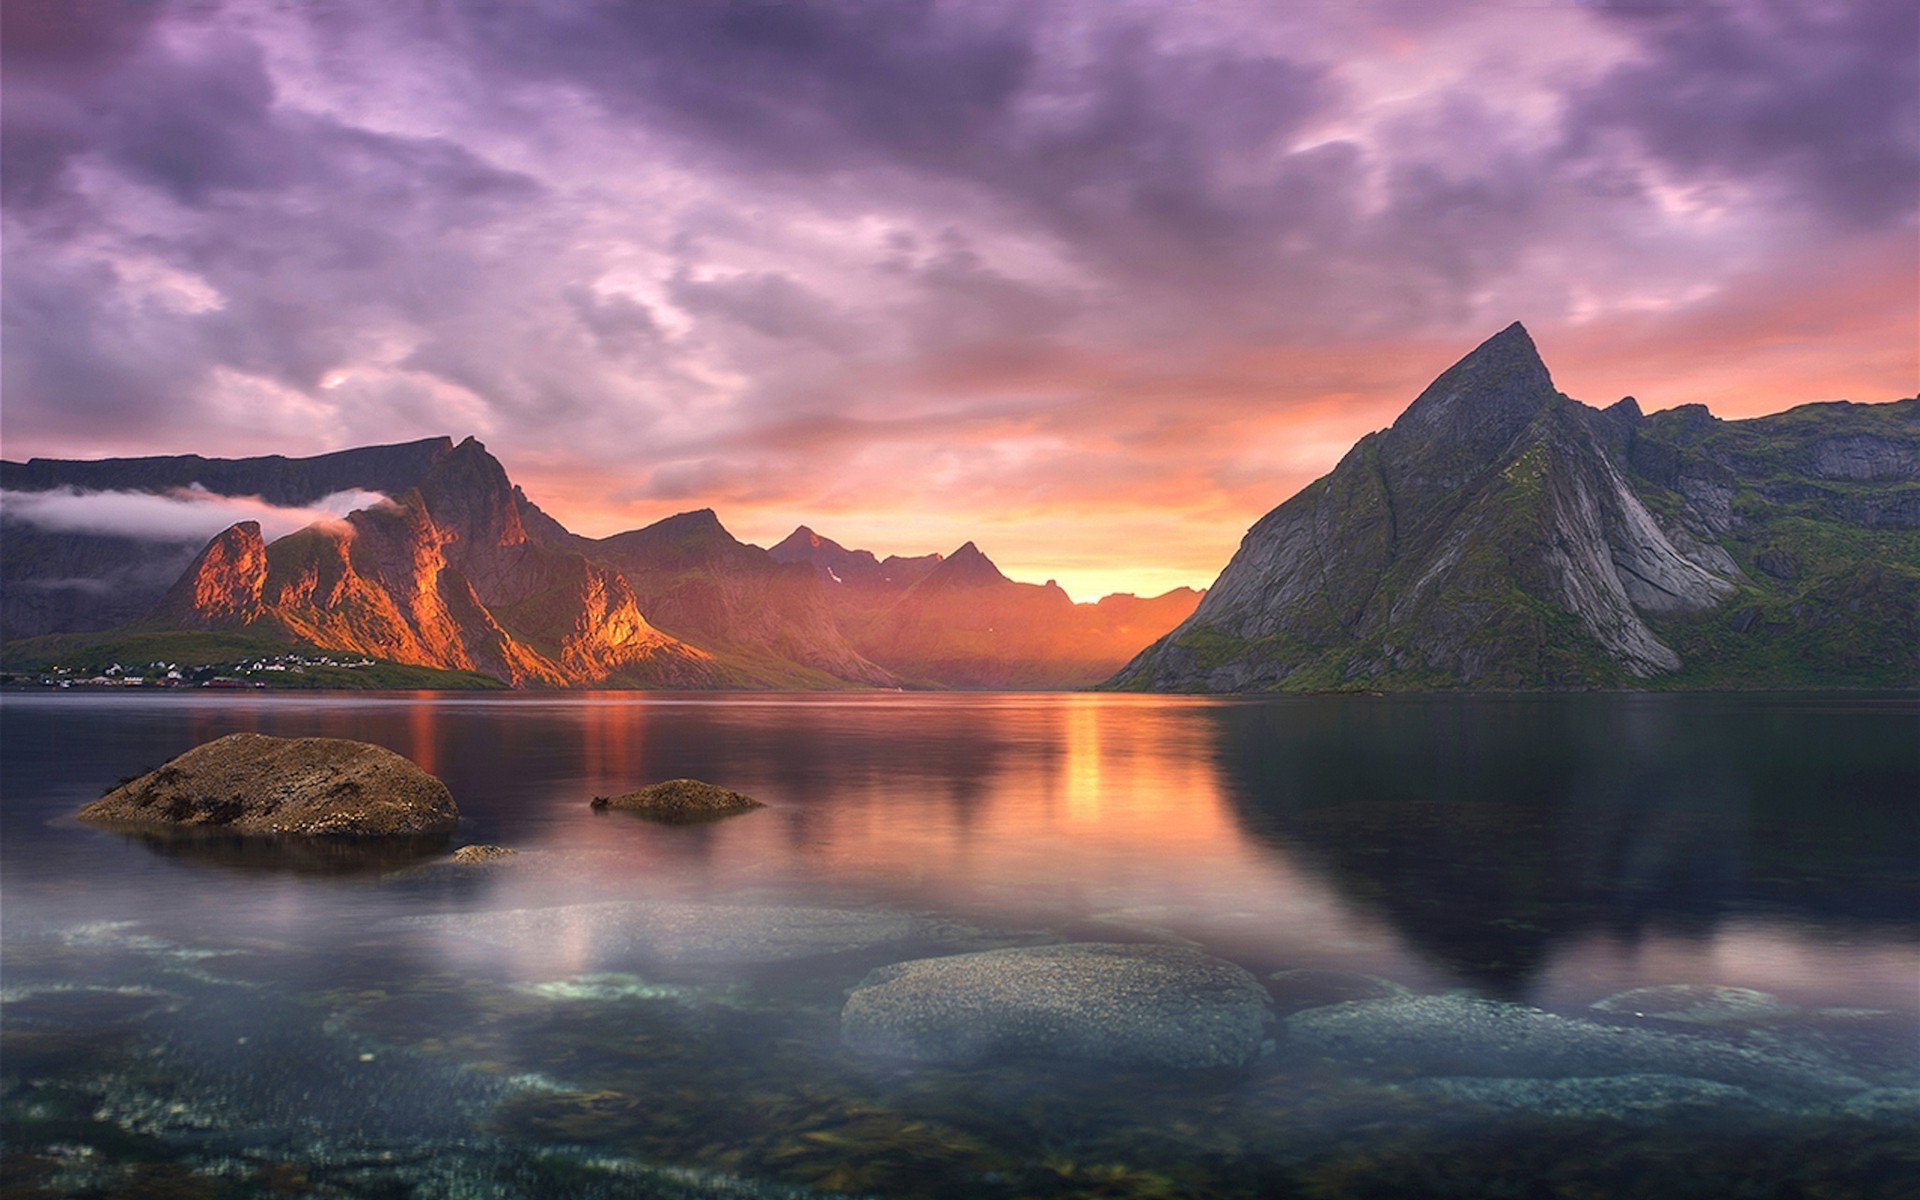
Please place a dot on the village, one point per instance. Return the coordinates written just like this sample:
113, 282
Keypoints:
261, 672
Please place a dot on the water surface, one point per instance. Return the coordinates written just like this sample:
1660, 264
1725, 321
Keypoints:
235, 1019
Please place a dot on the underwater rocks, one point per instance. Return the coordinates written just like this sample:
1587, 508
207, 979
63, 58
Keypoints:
254, 785
1458, 1035
688, 932
1307, 987
680, 800
1695, 1005
1648, 1097
1139, 1004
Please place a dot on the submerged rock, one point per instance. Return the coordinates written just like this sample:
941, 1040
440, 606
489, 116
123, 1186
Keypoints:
1308, 987
1460, 1035
1884, 1104
1615, 1097
1156, 1005
679, 800
253, 785
686, 932
1696, 1005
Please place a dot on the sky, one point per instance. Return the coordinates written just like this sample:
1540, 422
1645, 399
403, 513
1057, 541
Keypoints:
1094, 285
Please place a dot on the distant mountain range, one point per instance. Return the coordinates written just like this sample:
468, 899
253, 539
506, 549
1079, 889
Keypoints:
1501, 535
458, 570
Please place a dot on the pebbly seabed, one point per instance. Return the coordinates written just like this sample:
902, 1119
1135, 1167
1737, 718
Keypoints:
1436, 979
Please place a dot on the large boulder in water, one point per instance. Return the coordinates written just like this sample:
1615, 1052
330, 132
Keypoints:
254, 785
680, 800
1145, 1005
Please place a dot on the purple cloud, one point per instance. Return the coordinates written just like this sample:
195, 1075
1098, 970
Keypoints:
988, 256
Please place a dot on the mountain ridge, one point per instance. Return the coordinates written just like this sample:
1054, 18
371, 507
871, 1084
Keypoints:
1500, 534
457, 569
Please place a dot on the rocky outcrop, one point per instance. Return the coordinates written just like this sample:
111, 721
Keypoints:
678, 801
223, 584
1165, 1006
254, 785
1501, 535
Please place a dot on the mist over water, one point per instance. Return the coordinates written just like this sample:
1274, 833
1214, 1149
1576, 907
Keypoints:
1547, 851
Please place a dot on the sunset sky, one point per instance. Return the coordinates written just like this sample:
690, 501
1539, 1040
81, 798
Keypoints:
1092, 284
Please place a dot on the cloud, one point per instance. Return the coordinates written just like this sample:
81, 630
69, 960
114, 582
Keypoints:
1049, 267
1814, 104
187, 515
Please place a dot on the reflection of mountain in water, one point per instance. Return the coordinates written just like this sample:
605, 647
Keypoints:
1490, 829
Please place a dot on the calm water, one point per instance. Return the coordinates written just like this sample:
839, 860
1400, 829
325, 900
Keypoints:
222, 1019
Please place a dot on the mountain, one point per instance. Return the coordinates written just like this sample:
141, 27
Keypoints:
1502, 535
58, 581
696, 580
859, 570
958, 621
456, 569
443, 575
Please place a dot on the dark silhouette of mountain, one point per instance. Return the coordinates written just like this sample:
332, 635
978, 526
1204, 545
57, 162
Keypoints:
274, 478
1502, 535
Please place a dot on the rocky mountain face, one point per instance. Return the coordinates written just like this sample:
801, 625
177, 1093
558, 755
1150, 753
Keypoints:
442, 575
1502, 535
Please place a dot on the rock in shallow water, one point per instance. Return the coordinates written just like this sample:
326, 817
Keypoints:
1459, 1035
254, 785
1149, 1005
1695, 1005
1307, 987
481, 854
680, 800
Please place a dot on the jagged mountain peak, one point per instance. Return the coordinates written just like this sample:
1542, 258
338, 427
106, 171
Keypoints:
1464, 421
965, 567
679, 542
803, 544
